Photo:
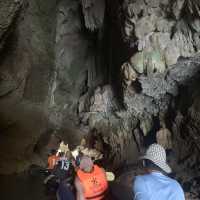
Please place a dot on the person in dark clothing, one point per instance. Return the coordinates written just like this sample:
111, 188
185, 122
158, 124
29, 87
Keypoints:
64, 192
64, 170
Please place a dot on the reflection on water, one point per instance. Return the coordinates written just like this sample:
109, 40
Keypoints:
22, 187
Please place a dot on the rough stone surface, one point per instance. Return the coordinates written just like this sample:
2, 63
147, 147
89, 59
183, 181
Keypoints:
157, 26
54, 67
47, 63
26, 64
154, 98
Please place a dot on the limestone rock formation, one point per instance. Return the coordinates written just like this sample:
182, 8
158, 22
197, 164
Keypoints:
156, 96
158, 27
62, 65
94, 11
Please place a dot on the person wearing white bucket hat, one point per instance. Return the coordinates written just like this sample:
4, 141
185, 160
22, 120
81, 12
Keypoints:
155, 184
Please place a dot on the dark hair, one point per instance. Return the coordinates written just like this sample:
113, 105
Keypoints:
61, 154
53, 152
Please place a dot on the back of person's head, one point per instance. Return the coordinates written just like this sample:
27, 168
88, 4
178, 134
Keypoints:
86, 164
61, 154
69, 155
80, 154
53, 152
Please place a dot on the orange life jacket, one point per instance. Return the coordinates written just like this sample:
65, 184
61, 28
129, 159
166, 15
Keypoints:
52, 161
95, 183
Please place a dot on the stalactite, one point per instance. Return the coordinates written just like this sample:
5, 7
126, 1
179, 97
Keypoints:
193, 7
93, 11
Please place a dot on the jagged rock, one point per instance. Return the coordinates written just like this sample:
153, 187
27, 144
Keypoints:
177, 8
172, 53
75, 66
197, 40
103, 100
196, 25
149, 27
181, 73
144, 26
93, 11
164, 26
183, 39
128, 74
146, 125
137, 104
158, 85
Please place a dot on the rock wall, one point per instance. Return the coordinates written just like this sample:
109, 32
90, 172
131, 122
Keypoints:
155, 62
27, 61
114, 66
48, 60
163, 31
75, 72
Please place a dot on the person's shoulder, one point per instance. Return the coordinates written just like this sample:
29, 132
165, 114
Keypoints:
144, 176
178, 190
140, 184
176, 185
141, 178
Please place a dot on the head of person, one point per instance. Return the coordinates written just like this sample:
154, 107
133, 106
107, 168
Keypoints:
155, 159
69, 155
61, 154
53, 152
86, 164
83, 142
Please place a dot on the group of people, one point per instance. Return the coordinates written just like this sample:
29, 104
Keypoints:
79, 178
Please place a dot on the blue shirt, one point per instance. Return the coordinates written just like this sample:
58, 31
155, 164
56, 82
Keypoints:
156, 186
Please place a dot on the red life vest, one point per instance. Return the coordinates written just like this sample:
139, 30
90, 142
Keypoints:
52, 161
94, 183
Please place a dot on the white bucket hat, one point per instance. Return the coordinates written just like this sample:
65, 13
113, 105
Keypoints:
156, 153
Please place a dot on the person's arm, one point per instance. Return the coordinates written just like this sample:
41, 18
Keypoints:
79, 189
140, 191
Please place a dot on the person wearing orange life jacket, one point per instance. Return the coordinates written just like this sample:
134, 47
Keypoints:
52, 160
90, 182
